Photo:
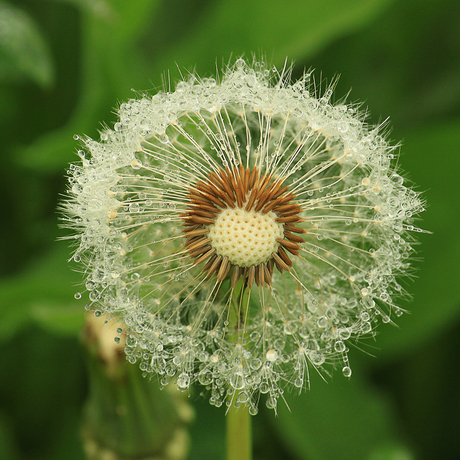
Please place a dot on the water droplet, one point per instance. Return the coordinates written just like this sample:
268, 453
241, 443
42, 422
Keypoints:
163, 138
386, 318
205, 378
322, 321
136, 164
316, 358
343, 127
345, 333
271, 402
243, 397
77, 295
255, 336
298, 382
240, 63
264, 387
346, 371
183, 381
237, 380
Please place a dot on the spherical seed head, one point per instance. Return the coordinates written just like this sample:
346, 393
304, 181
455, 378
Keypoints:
148, 200
245, 237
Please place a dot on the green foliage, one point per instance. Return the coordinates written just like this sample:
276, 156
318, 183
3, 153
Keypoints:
42, 295
342, 419
23, 51
65, 65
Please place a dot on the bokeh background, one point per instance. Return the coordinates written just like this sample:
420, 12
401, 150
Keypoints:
66, 64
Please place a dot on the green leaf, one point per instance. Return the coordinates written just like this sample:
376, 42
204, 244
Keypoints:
42, 295
23, 51
343, 419
108, 74
8, 449
395, 66
64, 318
281, 30
43, 389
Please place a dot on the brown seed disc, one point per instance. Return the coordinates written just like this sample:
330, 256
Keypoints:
244, 190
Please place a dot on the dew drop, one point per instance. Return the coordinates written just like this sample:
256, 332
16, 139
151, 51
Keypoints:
346, 371
317, 358
263, 387
94, 296
255, 336
237, 380
136, 164
322, 322
163, 138
240, 63
183, 381
345, 333
205, 378
271, 402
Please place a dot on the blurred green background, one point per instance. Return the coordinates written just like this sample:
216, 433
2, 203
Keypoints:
65, 65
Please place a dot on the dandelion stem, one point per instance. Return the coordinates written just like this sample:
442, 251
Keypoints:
239, 437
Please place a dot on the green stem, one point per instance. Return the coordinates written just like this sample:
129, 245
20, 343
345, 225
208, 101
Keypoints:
239, 437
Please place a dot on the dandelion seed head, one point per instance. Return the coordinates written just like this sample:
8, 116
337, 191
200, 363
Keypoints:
244, 229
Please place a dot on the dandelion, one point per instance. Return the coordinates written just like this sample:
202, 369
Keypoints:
246, 230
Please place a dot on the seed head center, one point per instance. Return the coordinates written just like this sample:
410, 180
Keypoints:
241, 224
245, 237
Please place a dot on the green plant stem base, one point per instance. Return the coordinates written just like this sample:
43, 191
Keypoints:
239, 436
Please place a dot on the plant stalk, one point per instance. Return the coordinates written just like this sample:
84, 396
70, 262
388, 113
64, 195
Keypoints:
239, 436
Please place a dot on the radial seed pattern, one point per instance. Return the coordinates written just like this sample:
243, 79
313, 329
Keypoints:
235, 223
315, 189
